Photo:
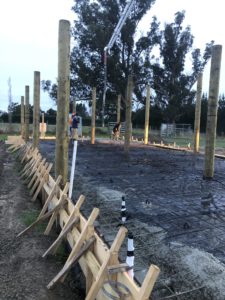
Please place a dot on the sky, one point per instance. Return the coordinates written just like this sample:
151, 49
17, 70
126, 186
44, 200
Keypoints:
29, 39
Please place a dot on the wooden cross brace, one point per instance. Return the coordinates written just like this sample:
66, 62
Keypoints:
42, 182
72, 221
111, 259
36, 173
58, 206
83, 243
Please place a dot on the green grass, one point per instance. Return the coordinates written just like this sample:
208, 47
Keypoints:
28, 217
184, 141
3, 137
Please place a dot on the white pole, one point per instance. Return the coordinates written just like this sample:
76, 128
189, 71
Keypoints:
73, 168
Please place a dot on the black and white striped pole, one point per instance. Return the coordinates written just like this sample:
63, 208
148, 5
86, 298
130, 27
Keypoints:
130, 255
123, 210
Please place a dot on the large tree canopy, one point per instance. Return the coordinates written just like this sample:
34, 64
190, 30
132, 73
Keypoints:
171, 82
164, 69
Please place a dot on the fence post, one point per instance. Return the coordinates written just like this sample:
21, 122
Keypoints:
27, 113
212, 111
61, 161
128, 114
118, 108
198, 114
22, 116
36, 112
93, 116
147, 112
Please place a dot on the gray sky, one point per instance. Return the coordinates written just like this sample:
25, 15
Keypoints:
29, 38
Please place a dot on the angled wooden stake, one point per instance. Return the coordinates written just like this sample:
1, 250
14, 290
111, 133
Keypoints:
72, 221
27, 165
44, 217
87, 232
33, 170
84, 232
60, 238
36, 172
39, 176
102, 274
149, 281
52, 219
52, 194
28, 171
43, 180
69, 265
26, 153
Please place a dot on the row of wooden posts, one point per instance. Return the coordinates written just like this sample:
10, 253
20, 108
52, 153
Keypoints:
106, 277
63, 96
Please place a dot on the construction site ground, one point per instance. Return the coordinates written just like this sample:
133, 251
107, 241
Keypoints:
177, 218
24, 274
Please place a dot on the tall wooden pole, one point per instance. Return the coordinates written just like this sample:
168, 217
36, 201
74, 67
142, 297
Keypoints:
63, 95
128, 114
74, 105
93, 116
27, 113
118, 108
147, 113
36, 111
198, 114
22, 116
42, 125
212, 111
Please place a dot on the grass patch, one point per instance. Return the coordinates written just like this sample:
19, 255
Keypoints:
28, 217
3, 137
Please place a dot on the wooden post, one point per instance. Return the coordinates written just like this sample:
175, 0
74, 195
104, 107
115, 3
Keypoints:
27, 114
128, 114
36, 112
198, 114
42, 125
93, 116
118, 108
147, 112
74, 105
212, 111
61, 160
22, 116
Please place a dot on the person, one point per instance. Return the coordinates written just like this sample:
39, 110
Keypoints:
116, 130
75, 122
70, 124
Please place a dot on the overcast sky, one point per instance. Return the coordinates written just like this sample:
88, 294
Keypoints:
29, 38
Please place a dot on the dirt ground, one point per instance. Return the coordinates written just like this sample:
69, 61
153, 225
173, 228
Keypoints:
176, 217
24, 274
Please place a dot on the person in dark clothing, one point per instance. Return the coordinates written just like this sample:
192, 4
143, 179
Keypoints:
75, 122
116, 131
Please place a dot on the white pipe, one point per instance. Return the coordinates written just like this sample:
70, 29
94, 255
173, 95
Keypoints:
73, 168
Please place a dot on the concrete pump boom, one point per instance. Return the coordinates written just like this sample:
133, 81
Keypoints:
110, 44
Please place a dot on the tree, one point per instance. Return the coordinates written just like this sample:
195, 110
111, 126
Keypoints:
172, 85
96, 21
